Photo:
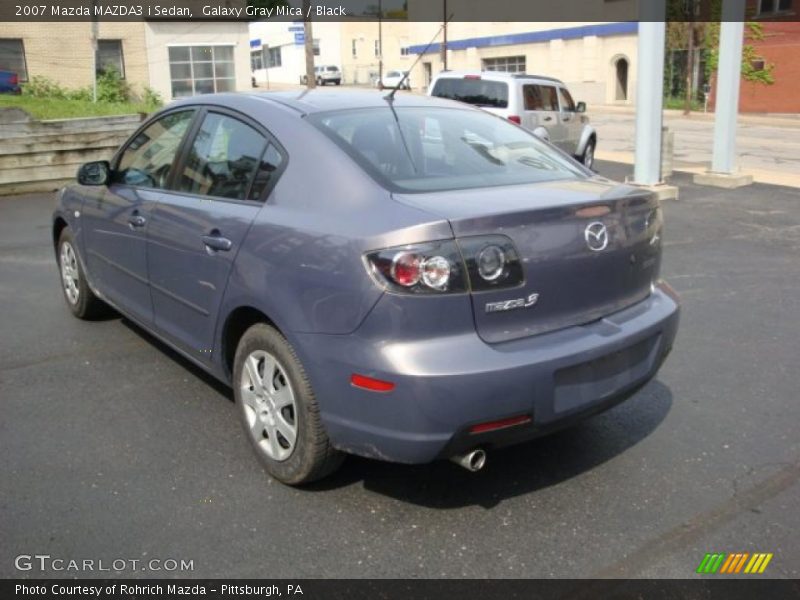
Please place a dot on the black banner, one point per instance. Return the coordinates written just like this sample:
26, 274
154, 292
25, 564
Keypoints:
404, 589
587, 11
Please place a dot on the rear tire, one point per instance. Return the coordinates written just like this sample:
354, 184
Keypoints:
80, 299
278, 410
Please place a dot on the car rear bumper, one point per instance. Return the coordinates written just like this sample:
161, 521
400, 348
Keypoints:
446, 385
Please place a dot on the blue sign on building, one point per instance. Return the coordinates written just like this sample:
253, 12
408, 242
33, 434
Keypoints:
299, 38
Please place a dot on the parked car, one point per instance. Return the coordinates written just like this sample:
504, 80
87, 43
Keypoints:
392, 78
541, 104
445, 283
9, 83
325, 74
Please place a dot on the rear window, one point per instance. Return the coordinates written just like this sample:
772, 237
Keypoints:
479, 92
332, 69
436, 149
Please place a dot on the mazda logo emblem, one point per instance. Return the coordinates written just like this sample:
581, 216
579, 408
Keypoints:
596, 236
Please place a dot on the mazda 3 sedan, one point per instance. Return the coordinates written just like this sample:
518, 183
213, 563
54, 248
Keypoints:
404, 278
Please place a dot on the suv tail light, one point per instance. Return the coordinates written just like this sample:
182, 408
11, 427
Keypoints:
515, 119
449, 266
14, 79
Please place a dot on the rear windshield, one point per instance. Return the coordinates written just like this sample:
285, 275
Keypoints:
332, 69
435, 149
473, 91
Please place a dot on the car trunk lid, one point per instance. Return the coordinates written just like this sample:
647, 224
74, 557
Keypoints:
573, 273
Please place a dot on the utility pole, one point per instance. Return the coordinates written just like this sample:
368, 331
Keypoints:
311, 81
95, 29
444, 35
380, 43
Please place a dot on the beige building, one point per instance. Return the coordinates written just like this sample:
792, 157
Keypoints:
173, 58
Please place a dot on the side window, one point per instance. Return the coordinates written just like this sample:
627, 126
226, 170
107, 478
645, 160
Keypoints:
224, 159
567, 103
148, 159
270, 162
549, 97
533, 97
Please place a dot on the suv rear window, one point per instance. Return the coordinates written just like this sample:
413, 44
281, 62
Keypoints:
434, 149
479, 92
332, 69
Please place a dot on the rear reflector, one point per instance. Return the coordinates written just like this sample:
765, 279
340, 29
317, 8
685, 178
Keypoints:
368, 383
515, 119
501, 424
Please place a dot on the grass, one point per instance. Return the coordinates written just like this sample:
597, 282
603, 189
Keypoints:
679, 103
54, 108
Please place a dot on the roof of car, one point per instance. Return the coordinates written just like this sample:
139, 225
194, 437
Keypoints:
496, 75
311, 101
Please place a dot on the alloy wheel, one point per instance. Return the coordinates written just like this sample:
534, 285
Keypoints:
70, 276
269, 405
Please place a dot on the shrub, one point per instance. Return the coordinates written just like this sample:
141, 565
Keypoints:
112, 88
42, 87
150, 97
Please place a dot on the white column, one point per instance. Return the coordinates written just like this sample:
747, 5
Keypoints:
727, 96
649, 92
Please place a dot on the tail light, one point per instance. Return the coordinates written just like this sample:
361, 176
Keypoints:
515, 119
14, 79
430, 268
450, 266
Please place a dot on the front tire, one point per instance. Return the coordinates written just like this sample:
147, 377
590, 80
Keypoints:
80, 299
278, 409
587, 158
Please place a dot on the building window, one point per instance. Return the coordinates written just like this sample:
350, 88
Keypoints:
758, 64
404, 52
201, 70
316, 46
109, 56
12, 58
274, 57
771, 7
256, 59
353, 48
509, 64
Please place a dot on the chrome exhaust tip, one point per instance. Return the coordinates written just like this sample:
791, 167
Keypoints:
472, 461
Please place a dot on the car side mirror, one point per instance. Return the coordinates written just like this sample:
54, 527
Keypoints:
581, 107
94, 173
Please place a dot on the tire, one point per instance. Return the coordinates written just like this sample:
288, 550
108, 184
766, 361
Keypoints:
587, 158
276, 408
79, 297
320, 82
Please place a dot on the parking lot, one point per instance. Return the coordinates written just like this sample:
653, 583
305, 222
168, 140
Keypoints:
111, 446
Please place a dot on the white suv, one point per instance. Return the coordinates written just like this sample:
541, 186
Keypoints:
540, 104
325, 74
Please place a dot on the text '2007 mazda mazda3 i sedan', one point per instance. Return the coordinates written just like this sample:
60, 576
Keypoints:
402, 278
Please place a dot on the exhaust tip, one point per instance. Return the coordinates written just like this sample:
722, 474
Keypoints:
472, 461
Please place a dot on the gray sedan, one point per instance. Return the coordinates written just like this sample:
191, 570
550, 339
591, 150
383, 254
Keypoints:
404, 278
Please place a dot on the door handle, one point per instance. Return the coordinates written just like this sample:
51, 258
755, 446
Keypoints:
566, 119
136, 221
547, 119
216, 242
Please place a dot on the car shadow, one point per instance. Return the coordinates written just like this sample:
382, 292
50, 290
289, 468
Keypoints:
210, 380
509, 472
515, 470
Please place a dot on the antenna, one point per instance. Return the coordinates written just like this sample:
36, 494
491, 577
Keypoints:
390, 95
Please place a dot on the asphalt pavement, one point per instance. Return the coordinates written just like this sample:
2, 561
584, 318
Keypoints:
112, 447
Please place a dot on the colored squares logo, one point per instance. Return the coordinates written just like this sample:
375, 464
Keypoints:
736, 563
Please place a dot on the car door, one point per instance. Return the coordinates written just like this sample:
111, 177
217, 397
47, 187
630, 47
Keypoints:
548, 116
115, 218
569, 120
228, 166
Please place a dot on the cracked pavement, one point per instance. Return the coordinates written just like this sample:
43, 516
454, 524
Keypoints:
112, 446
